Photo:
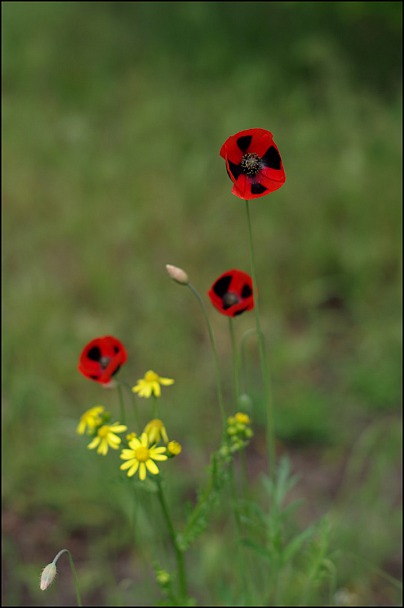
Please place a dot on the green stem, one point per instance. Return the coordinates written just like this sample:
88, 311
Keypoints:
179, 554
121, 404
246, 335
263, 357
236, 362
155, 407
135, 410
76, 580
215, 355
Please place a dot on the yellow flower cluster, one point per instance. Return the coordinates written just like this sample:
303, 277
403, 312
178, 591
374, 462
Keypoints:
238, 431
141, 452
104, 435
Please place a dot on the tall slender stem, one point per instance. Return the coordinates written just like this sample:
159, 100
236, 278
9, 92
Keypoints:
263, 356
215, 355
121, 404
135, 410
155, 407
76, 580
179, 554
236, 361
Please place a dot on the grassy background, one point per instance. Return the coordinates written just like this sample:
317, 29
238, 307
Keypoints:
113, 117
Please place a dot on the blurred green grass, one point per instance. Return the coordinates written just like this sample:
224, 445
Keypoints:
113, 117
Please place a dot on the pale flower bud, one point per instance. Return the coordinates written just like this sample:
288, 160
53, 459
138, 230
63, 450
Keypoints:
177, 274
47, 576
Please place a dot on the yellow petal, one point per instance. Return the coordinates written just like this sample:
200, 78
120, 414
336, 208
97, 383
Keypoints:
103, 449
144, 440
158, 456
81, 427
152, 467
133, 470
127, 464
166, 381
134, 443
94, 443
119, 428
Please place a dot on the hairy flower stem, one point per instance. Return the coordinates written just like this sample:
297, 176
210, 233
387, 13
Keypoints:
263, 356
76, 580
215, 356
179, 553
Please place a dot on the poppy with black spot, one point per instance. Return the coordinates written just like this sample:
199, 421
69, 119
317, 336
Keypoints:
232, 293
253, 163
101, 359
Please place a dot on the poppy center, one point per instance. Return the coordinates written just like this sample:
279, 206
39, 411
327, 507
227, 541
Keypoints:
251, 163
142, 454
229, 299
104, 361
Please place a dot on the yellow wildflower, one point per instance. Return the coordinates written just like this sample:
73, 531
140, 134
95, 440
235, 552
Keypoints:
91, 419
106, 437
155, 429
141, 457
150, 384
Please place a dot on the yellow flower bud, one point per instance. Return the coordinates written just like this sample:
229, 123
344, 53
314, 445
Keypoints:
174, 448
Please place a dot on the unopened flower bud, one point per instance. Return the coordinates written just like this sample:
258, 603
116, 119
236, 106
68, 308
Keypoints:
163, 578
177, 274
47, 576
174, 448
244, 402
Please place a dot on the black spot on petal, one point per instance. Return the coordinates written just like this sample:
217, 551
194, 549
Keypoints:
221, 286
116, 350
244, 142
94, 353
272, 158
246, 292
258, 189
94, 377
235, 170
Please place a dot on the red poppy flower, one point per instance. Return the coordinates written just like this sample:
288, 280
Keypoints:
253, 163
101, 359
232, 293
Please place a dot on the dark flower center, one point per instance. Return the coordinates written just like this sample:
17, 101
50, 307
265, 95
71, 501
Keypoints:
229, 299
104, 361
251, 163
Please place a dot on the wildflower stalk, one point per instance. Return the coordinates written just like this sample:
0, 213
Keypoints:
179, 553
246, 335
263, 356
135, 410
155, 406
215, 355
236, 360
121, 404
